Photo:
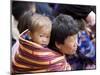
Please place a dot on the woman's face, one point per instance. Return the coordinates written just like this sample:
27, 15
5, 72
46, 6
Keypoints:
70, 45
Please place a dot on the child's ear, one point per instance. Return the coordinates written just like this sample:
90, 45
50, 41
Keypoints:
58, 45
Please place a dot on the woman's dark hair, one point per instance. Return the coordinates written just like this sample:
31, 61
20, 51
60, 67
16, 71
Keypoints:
63, 26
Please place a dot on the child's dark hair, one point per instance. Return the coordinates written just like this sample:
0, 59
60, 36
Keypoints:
63, 26
33, 20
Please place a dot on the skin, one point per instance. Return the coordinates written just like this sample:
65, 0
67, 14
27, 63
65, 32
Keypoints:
70, 45
41, 35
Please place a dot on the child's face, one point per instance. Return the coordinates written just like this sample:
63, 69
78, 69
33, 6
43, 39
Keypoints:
70, 45
41, 36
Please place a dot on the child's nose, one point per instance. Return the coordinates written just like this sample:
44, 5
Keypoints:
45, 40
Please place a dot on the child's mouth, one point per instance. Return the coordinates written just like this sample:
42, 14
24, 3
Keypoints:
44, 45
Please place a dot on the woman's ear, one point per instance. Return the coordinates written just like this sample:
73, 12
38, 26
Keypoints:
58, 45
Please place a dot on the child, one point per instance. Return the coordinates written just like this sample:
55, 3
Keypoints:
31, 54
64, 36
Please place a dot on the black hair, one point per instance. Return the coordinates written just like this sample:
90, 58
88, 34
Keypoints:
81, 24
24, 21
19, 7
63, 26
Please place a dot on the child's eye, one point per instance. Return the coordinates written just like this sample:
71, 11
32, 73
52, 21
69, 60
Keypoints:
41, 35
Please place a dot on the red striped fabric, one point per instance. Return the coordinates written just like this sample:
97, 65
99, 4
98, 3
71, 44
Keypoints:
32, 58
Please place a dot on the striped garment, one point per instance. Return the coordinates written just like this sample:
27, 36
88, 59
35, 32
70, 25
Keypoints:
31, 58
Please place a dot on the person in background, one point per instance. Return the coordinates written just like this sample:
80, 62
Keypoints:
86, 12
18, 9
85, 57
